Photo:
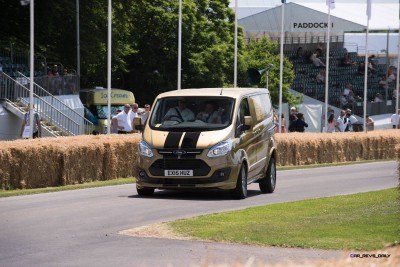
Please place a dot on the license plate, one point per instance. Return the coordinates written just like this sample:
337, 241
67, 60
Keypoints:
178, 172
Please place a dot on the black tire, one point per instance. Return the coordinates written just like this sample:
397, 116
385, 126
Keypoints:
145, 191
240, 191
268, 183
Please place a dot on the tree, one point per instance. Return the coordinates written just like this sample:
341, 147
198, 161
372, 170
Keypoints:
260, 54
207, 46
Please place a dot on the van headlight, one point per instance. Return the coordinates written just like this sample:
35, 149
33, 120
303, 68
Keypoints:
220, 149
145, 150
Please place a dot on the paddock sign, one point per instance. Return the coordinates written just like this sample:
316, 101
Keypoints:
311, 25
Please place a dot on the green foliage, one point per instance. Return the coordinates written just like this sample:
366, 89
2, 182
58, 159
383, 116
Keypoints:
144, 47
260, 54
366, 221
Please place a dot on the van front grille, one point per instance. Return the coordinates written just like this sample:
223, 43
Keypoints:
199, 167
183, 153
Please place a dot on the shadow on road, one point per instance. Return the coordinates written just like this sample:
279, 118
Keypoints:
197, 195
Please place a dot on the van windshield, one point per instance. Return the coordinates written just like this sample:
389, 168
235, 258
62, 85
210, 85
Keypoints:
101, 112
192, 113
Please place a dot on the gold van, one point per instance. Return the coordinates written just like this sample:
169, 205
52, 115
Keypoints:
220, 138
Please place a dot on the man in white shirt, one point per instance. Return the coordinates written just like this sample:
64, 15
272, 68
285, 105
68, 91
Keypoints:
125, 120
395, 118
342, 121
351, 120
180, 113
145, 114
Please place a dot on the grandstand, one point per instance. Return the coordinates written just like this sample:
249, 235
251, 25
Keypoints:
14, 61
339, 77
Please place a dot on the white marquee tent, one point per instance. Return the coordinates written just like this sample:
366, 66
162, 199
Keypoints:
299, 20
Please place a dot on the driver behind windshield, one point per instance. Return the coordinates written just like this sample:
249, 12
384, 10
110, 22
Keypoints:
180, 113
209, 115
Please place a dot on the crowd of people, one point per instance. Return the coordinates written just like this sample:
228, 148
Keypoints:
130, 119
386, 81
345, 122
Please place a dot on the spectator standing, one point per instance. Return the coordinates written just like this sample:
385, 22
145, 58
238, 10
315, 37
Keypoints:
125, 120
145, 114
114, 122
342, 121
332, 124
298, 125
283, 126
37, 127
351, 120
369, 123
292, 116
136, 116
395, 119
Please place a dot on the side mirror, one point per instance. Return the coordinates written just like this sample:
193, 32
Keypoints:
248, 123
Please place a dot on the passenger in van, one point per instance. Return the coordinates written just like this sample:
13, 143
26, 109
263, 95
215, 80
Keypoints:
180, 113
223, 112
209, 115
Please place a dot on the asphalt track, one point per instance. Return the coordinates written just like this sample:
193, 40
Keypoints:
80, 228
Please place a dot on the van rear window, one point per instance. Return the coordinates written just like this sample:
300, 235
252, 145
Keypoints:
192, 113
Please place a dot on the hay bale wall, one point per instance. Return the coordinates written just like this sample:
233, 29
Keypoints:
71, 160
68, 160
315, 148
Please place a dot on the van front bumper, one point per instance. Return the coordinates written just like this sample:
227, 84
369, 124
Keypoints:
221, 179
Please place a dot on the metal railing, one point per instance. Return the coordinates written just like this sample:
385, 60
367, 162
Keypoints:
298, 40
59, 85
87, 126
53, 110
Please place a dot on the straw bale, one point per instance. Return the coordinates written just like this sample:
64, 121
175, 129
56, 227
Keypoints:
316, 148
70, 160
66, 160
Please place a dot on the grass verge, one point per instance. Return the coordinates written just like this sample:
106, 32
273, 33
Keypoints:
365, 221
20, 192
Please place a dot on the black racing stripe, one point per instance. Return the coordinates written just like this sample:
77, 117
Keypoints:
172, 140
190, 140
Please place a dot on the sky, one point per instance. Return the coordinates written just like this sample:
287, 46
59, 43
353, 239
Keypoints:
385, 13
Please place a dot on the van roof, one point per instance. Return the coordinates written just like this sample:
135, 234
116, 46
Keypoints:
231, 92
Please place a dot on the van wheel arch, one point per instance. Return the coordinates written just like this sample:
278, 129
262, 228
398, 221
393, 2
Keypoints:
240, 191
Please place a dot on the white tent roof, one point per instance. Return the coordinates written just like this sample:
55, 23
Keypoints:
298, 18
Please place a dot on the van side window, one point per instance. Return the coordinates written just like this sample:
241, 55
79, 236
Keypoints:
244, 110
262, 106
